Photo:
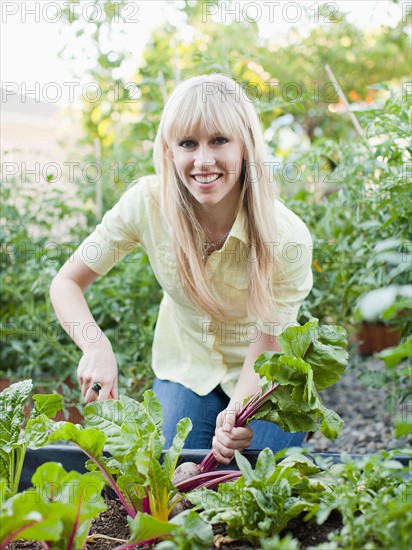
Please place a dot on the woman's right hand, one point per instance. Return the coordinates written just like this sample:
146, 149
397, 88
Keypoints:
98, 364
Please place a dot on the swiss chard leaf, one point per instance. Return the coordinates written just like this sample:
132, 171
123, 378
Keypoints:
127, 425
191, 532
297, 340
159, 491
27, 516
60, 507
5, 469
313, 358
49, 405
145, 527
80, 495
131, 432
90, 440
12, 402
328, 358
134, 490
153, 408
39, 429
14, 437
172, 455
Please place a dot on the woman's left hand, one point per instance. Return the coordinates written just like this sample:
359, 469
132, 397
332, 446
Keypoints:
228, 439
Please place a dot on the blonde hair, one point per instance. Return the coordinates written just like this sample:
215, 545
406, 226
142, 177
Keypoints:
217, 105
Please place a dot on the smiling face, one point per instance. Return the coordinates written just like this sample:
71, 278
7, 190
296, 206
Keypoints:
209, 166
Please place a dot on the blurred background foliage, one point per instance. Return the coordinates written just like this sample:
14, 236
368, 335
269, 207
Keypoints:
351, 188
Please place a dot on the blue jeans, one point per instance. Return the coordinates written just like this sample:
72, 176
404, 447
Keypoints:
180, 402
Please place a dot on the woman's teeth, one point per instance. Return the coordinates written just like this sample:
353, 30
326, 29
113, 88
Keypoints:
207, 179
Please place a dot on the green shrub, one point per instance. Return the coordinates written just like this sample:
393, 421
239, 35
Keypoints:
360, 216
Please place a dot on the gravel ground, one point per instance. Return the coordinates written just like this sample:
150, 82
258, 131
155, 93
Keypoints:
367, 424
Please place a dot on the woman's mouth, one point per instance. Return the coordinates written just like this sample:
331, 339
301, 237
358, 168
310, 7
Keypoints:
204, 180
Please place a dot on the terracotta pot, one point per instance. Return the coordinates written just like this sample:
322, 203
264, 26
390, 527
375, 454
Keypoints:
376, 337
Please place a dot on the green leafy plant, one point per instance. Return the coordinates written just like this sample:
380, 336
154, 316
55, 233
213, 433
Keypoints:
262, 501
59, 509
312, 359
187, 530
254, 503
359, 218
32, 342
131, 432
15, 433
373, 495
395, 377
190, 531
280, 543
146, 529
133, 470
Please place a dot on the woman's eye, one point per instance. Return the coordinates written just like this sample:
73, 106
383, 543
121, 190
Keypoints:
186, 143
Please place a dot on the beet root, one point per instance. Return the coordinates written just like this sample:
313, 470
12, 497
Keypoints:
180, 506
185, 471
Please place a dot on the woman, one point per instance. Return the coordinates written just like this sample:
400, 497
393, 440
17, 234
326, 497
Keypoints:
234, 264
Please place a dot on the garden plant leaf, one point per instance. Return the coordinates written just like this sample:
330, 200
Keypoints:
312, 359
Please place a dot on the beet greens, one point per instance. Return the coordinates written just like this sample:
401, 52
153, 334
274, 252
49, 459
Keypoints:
312, 358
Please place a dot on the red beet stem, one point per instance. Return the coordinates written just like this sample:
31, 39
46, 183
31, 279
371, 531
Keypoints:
252, 406
203, 480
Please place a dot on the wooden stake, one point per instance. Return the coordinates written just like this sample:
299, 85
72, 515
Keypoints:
342, 97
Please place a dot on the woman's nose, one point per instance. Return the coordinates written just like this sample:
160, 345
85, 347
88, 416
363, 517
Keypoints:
204, 157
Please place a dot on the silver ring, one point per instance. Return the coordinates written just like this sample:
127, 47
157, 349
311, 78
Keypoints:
96, 386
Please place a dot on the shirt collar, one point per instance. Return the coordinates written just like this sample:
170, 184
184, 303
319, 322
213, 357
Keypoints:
239, 229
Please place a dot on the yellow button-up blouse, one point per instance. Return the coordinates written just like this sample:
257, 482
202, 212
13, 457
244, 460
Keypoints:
189, 346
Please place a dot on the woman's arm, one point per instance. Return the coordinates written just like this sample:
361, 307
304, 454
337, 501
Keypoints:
227, 438
248, 382
98, 362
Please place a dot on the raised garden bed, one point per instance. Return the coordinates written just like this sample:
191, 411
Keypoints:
112, 523
72, 458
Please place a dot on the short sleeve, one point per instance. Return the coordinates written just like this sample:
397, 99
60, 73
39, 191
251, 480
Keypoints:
292, 281
118, 233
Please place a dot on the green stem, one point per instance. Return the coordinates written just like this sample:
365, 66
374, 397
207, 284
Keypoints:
11, 472
17, 468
